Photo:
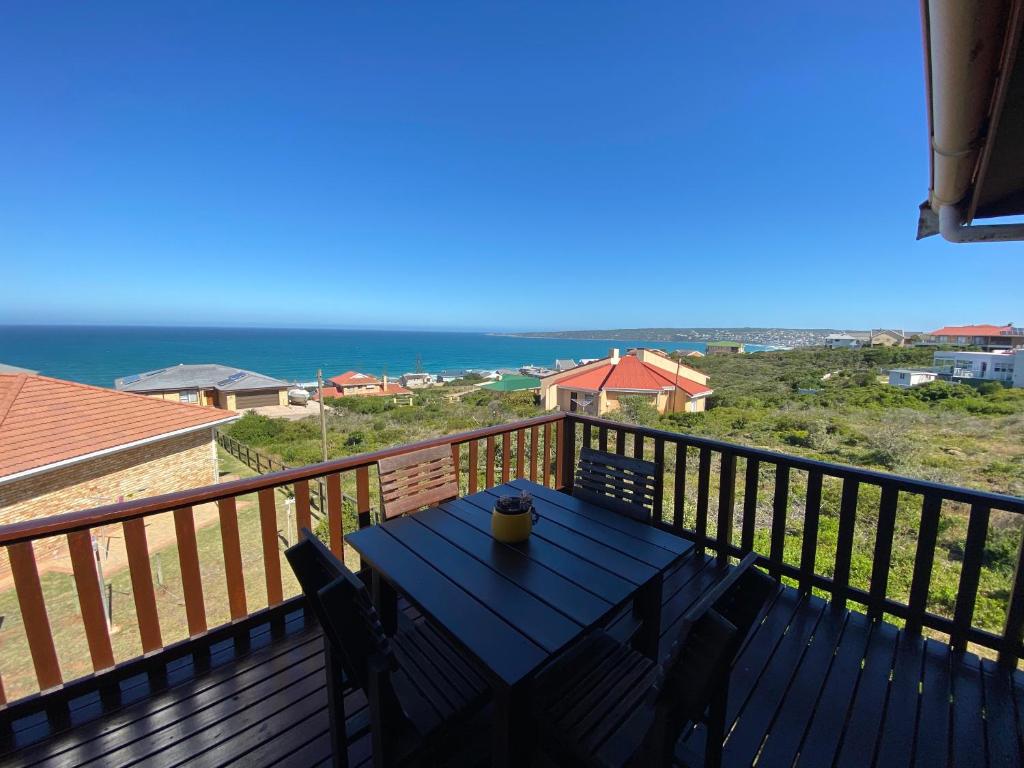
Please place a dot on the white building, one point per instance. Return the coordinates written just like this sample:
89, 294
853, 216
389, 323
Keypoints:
416, 380
842, 341
1018, 368
906, 377
989, 366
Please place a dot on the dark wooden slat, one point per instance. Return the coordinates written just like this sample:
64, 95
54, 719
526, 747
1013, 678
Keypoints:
1002, 738
620, 442
703, 489
191, 577
457, 465
659, 491
924, 559
233, 554
544, 625
143, 595
830, 711
679, 491
780, 510
634, 528
565, 454
610, 536
33, 614
883, 550
489, 462
363, 496
970, 574
83, 563
303, 518
865, 720
900, 719
506, 457
334, 523
968, 727
550, 586
726, 501
500, 647
812, 511
1013, 629
844, 542
587, 435
520, 452
638, 445
271, 556
547, 454
798, 707
474, 465
602, 438
534, 452
933, 734
750, 489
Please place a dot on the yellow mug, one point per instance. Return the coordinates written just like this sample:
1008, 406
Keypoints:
512, 528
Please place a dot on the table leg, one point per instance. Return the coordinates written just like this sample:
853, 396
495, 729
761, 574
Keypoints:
513, 727
648, 604
386, 600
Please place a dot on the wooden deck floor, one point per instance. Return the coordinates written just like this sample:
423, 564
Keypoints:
814, 686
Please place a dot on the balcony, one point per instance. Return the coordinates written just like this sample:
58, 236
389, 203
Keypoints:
895, 636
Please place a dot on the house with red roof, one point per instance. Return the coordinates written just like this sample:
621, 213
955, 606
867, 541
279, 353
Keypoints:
66, 446
599, 386
989, 337
355, 384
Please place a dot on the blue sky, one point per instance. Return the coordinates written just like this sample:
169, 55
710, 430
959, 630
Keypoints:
475, 166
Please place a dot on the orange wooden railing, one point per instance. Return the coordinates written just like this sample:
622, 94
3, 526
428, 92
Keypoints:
536, 456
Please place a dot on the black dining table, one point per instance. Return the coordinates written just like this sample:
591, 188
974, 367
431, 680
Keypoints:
512, 608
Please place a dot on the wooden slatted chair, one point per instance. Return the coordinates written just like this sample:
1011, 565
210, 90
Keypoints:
417, 685
416, 480
605, 704
621, 483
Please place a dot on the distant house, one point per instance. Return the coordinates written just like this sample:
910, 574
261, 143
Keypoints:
725, 348
906, 377
512, 383
355, 384
693, 353
842, 341
884, 337
416, 380
564, 365
989, 337
598, 387
988, 366
66, 446
446, 377
1018, 368
233, 389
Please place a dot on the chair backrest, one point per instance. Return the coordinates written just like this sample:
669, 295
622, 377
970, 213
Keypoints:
343, 607
741, 596
416, 480
621, 483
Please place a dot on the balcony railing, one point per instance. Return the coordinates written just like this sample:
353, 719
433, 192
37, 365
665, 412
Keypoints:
813, 523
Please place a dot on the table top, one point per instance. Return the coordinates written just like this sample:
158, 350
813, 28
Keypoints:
513, 606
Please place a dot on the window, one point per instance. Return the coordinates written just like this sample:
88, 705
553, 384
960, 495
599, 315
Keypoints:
189, 396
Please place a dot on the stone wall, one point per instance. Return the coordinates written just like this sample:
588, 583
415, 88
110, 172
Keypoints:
175, 464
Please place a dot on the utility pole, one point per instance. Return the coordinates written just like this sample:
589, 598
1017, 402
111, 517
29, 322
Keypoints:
323, 418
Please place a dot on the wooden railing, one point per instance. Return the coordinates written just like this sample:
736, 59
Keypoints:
483, 457
753, 511
813, 523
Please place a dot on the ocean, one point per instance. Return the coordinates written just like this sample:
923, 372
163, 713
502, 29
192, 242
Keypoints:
99, 354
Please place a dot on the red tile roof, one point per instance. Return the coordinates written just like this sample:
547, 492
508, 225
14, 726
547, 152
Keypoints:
392, 389
353, 378
971, 330
632, 374
44, 421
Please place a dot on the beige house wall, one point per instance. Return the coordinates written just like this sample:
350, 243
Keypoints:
175, 464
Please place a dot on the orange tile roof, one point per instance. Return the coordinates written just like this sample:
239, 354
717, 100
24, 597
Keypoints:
44, 421
352, 378
972, 330
632, 374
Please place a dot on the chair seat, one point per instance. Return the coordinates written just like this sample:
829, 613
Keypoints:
596, 703
435, 685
